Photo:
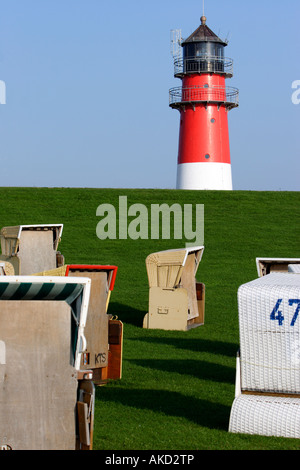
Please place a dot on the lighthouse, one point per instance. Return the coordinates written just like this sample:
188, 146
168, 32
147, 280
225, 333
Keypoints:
203, 101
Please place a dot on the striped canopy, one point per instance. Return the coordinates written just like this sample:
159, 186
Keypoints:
294, 268
13, 288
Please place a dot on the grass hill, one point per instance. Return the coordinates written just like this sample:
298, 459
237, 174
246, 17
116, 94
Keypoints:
177, 387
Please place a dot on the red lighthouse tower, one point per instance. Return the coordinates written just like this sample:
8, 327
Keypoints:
203, 102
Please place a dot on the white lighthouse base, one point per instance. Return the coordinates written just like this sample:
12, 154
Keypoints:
202, 175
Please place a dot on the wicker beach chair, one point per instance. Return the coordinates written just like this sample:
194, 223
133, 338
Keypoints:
31, 248
267, 395
176, 299
274, 265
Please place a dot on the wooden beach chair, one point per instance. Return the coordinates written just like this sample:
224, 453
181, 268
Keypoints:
46, 400
103, 332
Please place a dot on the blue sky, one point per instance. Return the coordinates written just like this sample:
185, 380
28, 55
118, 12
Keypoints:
87, 90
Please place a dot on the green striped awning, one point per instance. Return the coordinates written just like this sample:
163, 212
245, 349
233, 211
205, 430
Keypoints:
40, 291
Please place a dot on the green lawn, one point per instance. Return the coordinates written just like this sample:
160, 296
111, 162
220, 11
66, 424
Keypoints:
177, 387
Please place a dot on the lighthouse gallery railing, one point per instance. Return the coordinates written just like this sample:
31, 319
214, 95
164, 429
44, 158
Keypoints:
205, 64
180, 96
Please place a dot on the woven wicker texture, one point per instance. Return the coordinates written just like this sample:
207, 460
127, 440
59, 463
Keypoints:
8, 268
270, 333
61, 271
265, 415
9, 240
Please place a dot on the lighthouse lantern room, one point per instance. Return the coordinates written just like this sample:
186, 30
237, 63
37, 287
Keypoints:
203, 101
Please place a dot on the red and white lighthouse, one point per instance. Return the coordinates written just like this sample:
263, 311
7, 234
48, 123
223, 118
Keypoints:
203, 101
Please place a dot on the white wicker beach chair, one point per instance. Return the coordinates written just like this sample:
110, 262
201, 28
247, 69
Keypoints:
267, 397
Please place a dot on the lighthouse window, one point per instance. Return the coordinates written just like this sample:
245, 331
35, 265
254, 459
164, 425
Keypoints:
207, 156
213, 120
219, 50
206, 85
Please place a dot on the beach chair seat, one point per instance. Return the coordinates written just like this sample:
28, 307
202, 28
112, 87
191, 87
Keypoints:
266, 415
